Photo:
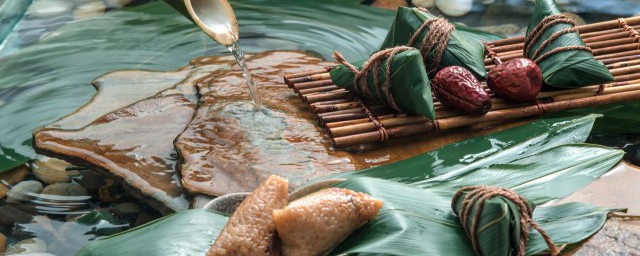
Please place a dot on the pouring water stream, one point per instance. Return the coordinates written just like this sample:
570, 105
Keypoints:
217, 19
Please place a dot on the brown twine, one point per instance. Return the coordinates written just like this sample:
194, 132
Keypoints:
539, 30
600, 90
632, 32
435, 41
479, 195
493, 55
542, 109
384, 134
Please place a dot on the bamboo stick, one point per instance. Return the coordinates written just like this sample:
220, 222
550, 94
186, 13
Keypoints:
587, 30
549, 97
288, 77
312, 84
507, 114
318, 89
322, 96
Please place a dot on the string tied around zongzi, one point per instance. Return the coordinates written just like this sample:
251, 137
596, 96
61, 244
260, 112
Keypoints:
535, 35
435, 41
475, 197
632, 32
372, 65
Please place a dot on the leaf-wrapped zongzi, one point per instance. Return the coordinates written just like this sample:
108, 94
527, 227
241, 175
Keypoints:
497, 220
458, 47
402, 84
553, 43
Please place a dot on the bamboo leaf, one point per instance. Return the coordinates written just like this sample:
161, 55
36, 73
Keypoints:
188, 232
476, 153
416, 218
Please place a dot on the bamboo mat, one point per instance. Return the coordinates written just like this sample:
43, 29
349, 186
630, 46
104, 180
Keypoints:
350, 122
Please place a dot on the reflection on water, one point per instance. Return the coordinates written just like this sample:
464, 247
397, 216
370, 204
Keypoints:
60, 218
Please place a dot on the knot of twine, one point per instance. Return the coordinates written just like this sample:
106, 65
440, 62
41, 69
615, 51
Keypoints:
537, 32
479, 195
632, 32
372, 65
493, 55
435, 41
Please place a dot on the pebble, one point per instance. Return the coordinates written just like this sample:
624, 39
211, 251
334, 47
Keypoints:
454, 8
49, 8
117, 3
51, 170
128, 208
12, 177
3, 243
65, 189
91, 180
390, 4
10, 216
90, 9
424, 3
21, 191
28, 246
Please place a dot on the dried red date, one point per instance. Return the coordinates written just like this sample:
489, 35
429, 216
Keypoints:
457, 88
516, 80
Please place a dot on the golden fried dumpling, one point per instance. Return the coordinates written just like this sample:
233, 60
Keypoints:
250, 229
315, 224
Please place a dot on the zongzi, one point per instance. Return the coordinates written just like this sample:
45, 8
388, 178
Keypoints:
497, 220
554, 44
250, 230
316, 223
441, 43
395, 77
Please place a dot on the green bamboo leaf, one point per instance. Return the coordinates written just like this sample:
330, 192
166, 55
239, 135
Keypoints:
476, 153
416, 219
188, 232
569, 68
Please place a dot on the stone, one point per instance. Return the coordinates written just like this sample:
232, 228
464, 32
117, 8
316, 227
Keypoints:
389, 4
423, 3
454, 8
12, 177
229, 148
91, 179
111, 133
619, 236
117, 3
128, 208
28, 246
3, 243
65, 189
49, 8
10, 216
51, 170
89, 9
23, 191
